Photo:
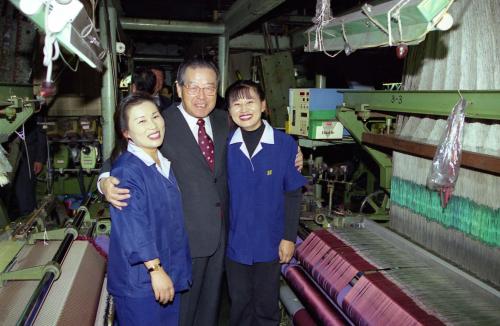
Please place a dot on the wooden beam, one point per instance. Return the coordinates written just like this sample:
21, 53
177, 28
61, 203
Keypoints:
477, 161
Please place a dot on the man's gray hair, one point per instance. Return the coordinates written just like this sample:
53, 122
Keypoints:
193, 64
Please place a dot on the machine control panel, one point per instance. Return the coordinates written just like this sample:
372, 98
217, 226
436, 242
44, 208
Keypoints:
299, 111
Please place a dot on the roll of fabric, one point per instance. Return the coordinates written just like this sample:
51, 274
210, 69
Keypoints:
316, 303
300, 316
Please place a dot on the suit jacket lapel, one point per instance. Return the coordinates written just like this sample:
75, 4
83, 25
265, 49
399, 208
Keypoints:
178, 131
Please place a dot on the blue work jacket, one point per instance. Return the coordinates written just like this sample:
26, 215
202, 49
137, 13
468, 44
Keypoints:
257, 187
150, 226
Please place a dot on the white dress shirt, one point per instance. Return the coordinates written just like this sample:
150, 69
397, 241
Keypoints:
193, 123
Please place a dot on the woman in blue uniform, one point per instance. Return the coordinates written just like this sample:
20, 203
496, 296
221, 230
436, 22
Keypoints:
149, 260
265, 193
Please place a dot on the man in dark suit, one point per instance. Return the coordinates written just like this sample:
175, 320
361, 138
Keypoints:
150, 81
203, 184
163, 102
202, 179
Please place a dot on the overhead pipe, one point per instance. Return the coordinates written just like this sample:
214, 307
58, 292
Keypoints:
174, 26
157, 59
223, 53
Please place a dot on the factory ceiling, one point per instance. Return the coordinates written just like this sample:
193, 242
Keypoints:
253, 22
284, 17
188, 10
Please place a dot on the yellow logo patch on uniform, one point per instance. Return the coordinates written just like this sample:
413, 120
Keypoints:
269, 172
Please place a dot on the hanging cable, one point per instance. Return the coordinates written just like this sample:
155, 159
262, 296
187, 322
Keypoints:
395, 12
347, 46
322, 18
50, 53
366, 9
73, 69
22, 135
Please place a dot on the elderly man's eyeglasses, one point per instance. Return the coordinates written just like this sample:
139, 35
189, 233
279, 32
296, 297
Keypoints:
195, 90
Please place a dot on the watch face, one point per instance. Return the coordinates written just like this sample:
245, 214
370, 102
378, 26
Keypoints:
155, 268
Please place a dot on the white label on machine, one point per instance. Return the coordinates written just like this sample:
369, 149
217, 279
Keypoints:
329, 130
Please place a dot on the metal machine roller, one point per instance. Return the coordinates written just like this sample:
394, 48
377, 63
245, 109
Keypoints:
52, 277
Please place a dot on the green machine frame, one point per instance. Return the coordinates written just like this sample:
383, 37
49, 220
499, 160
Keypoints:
16, 106
481, 104
385, 23
369, 115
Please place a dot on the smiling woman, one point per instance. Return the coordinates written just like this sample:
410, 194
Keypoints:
146, 246
146, 128
265, 190
246, 105
138, 120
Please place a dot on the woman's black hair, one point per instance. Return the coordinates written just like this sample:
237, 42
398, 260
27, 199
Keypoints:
121, 120
241, 89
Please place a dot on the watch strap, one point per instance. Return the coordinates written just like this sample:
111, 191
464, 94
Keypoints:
154, 268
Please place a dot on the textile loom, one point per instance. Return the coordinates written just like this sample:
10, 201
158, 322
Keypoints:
466, 230
358, 272
53, 277
375, 277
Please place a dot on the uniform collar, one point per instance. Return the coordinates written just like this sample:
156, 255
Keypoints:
267, 137
146, 159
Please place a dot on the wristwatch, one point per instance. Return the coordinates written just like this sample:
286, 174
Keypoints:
155, 268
